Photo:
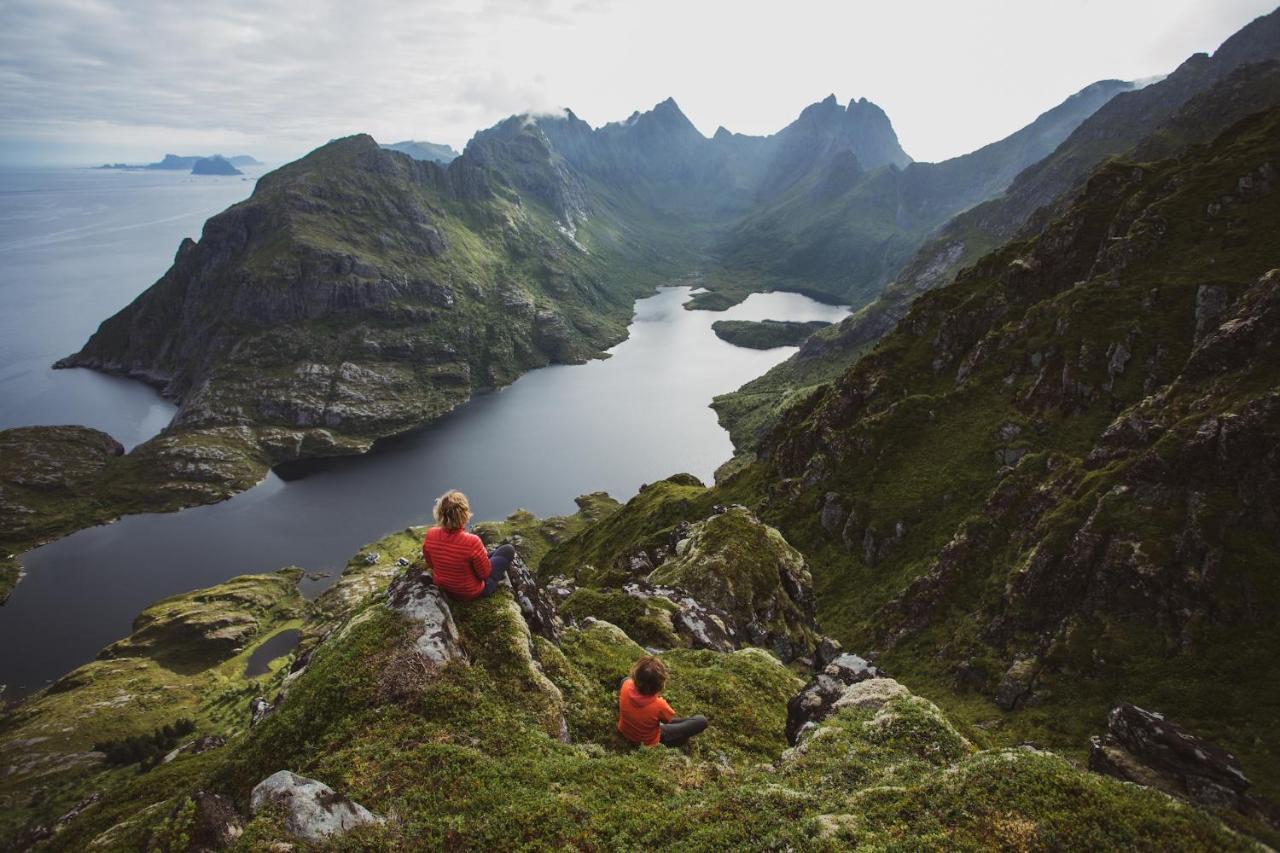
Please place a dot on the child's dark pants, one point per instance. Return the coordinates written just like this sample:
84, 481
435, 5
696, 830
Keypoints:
680, 729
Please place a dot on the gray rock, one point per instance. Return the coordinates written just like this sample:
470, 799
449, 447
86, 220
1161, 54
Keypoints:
700, 626
537, 605
1211, 306
1017, 682
817, 699
833, 515
312, 810
1143, 747
417, 598
259, 708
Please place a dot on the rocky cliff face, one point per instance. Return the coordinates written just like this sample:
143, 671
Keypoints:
358, 293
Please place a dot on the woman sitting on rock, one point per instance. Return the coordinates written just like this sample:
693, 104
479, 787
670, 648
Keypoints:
458, 560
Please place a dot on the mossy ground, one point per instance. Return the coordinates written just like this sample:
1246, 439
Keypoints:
469, 757
536, 536
133, 689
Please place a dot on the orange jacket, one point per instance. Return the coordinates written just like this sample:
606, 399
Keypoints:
639, 715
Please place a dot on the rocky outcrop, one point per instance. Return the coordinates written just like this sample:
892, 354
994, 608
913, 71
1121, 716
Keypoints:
216, 824
420, 601
259, 710
1143, 747
697, 625
736, 565
537, 605
311, 810
212, 624
820, 696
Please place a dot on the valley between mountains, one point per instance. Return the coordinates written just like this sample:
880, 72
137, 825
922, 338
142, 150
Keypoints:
972, 537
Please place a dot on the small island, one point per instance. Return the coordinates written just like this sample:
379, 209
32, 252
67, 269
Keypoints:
215, 165
765, 334
188, 163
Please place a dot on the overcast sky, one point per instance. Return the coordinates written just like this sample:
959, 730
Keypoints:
85, 81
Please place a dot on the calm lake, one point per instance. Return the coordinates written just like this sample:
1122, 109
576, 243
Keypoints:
610, 425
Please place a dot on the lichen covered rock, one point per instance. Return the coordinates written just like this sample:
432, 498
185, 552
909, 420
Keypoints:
311, 809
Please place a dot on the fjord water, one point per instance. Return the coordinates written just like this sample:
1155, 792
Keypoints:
613, 424
76, 245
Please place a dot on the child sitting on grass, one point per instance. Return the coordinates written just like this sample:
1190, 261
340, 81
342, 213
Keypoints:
644, 717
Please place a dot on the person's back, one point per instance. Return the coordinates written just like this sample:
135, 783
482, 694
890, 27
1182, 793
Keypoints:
459, 563
458, 559
644, 717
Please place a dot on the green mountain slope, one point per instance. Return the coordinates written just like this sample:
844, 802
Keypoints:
1054, 484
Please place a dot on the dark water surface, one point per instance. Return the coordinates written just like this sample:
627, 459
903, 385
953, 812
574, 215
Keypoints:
76, 245
610, 425
276, 646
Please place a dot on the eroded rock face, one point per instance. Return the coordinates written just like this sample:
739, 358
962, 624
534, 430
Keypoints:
733, 563
699, 626
417, 598
312, 810
1142, 746
820, 696
537, 605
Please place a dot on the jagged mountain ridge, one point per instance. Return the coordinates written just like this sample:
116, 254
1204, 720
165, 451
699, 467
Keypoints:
541, 215
1194, 104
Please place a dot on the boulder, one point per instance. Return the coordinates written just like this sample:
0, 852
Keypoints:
1143, 747
1016, 685
311, 809
818, 698
416, 597
259, 708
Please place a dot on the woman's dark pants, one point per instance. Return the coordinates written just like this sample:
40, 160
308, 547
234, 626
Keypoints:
499, 560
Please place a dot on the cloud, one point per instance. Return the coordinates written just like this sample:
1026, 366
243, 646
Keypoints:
94, 80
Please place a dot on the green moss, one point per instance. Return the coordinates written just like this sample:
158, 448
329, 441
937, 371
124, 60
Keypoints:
647, 621
735, 563
642, 523
534, 536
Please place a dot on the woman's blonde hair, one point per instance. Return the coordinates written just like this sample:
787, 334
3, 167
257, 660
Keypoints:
452, 512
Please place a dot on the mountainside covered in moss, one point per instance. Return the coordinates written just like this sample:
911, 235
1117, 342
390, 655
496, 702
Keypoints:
404, 720
1055, 484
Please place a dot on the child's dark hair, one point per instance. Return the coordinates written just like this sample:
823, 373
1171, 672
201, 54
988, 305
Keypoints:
650, 675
